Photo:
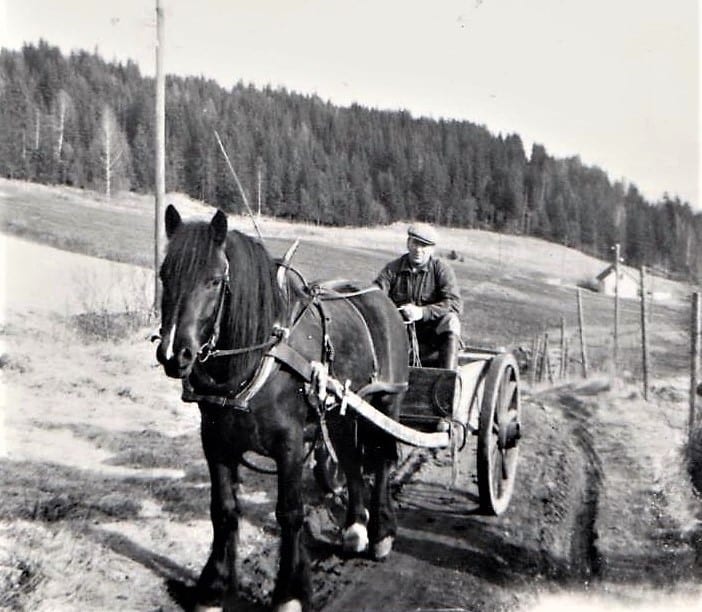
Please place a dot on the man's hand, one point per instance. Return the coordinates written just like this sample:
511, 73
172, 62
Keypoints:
412, 312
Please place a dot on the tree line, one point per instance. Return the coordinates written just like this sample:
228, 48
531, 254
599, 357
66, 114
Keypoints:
82, 121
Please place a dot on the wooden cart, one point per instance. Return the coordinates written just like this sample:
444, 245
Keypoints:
444, 409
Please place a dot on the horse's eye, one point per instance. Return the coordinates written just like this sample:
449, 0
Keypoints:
214, 283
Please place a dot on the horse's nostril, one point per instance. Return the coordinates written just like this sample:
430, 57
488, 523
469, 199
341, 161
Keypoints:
186, 355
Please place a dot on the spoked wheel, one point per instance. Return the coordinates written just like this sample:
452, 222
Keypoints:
327, 472
499, 431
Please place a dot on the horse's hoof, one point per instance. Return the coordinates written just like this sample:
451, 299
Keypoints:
293, 605
355, 538
201, 608
382, 549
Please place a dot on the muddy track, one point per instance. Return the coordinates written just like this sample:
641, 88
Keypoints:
594, 511
585, 556
635, 521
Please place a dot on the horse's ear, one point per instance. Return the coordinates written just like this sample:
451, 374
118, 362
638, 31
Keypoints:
218, 227
173, 220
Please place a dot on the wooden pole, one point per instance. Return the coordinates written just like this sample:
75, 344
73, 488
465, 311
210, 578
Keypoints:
259, 190
561, 368
544, 357
644, 335
696, 323
615, 355
566, 360
160, 187
534, 360
547, 359
581, 327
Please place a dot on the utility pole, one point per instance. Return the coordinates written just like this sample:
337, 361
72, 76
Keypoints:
160, 187
616, 306
581, 327
644, 334
695, 333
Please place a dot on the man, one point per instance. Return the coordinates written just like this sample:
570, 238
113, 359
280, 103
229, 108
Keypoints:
425, 290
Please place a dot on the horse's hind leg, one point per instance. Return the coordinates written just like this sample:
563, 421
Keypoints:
381, 454
354, 536
217, 584
293, 587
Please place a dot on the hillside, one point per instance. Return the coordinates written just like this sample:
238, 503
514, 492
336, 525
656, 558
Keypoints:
514, 288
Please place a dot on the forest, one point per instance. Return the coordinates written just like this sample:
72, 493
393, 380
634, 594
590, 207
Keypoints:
79, 120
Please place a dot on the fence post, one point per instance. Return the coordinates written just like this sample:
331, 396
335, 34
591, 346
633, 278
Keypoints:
534, 360
694, 358
615, 353
644, 335
581, 326
547, 361
561, 368
544, 357
567, 357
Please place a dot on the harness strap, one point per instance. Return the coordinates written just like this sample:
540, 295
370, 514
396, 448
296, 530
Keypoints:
277, 334
327, 293
239, 400
287, 355
224, 401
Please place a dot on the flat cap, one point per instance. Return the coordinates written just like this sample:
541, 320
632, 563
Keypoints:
423, 233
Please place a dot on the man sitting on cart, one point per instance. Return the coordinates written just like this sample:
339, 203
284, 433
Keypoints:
424, 288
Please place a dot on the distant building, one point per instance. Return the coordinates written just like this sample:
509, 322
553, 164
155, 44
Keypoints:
628, 284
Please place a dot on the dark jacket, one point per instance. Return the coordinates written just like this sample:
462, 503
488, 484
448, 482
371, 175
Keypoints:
433, 285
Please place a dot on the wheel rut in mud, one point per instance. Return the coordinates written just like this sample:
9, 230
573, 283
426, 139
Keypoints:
635, 522
585, 558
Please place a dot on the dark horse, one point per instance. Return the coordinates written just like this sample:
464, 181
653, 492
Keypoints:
243, 333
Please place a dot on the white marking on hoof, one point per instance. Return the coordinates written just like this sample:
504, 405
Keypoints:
293, 605
201, 608
382, 549
355, 538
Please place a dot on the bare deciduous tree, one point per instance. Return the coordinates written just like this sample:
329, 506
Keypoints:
113, 149
64, 105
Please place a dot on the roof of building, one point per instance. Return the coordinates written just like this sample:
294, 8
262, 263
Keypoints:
610, 270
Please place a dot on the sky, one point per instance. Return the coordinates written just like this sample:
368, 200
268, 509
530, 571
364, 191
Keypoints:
615, 82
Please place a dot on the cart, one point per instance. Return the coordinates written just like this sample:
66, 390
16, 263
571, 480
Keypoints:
444, 408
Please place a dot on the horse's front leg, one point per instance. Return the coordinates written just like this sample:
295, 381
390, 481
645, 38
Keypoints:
217, 584
293, 586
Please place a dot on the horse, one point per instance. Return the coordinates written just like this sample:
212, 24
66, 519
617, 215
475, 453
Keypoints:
253, 342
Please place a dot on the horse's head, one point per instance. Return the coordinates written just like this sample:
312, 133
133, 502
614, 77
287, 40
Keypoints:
194, 275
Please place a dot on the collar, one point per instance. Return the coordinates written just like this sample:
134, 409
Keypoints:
406, 266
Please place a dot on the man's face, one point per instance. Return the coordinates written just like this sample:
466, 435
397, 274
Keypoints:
419, 252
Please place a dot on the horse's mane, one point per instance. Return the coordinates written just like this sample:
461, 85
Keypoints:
254, 302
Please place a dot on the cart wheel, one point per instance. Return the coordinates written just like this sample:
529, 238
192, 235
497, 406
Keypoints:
499, 431
327, 472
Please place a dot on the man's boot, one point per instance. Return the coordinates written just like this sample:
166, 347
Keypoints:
448, 351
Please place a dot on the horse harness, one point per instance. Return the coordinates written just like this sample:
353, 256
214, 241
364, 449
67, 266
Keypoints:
315, 374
